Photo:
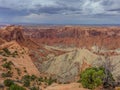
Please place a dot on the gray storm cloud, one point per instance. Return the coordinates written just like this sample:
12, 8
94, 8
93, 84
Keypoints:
61, 6
79, 9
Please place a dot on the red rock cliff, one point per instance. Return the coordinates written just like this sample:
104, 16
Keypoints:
12, 33
104, 37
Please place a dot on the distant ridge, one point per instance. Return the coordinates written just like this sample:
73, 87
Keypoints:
52, 24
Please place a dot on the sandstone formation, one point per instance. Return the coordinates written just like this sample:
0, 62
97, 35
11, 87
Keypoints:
67, 66
12, 32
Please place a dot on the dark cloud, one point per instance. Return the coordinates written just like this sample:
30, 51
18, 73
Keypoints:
58, 7
12, 12
55, 9
116, 9
83, 9
38, 9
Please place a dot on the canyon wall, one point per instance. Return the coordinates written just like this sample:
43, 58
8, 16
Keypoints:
64, 51
103, 37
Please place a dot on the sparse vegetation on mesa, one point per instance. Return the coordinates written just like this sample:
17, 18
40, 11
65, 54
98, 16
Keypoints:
12, 86
8, 65
20, 82
6, 52
7, 74
8, 82
31, 82
16, 87
27, 79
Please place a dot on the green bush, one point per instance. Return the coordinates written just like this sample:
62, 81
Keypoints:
40, 79
26, 83
7, 74
92, 77
26, 77
33, 77
49, 81
16, 87
8, 82
6, 50
7, 65
26, 80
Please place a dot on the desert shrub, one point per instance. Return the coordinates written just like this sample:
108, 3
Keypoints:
26, 80
4, 59
33, 77
108, 80
18, 71
8, 82
92, 77
26, 83
25, 71
26, 77
7, 65
7, 74
14, 54
40, 79
46, 80
6, 50
49, 81
16, 87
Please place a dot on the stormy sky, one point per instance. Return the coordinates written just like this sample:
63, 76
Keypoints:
60, 11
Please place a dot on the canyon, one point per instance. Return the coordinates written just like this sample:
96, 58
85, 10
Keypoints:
63, 52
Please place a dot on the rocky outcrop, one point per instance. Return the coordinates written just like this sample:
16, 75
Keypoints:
12, 32
2, 41
67, 66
